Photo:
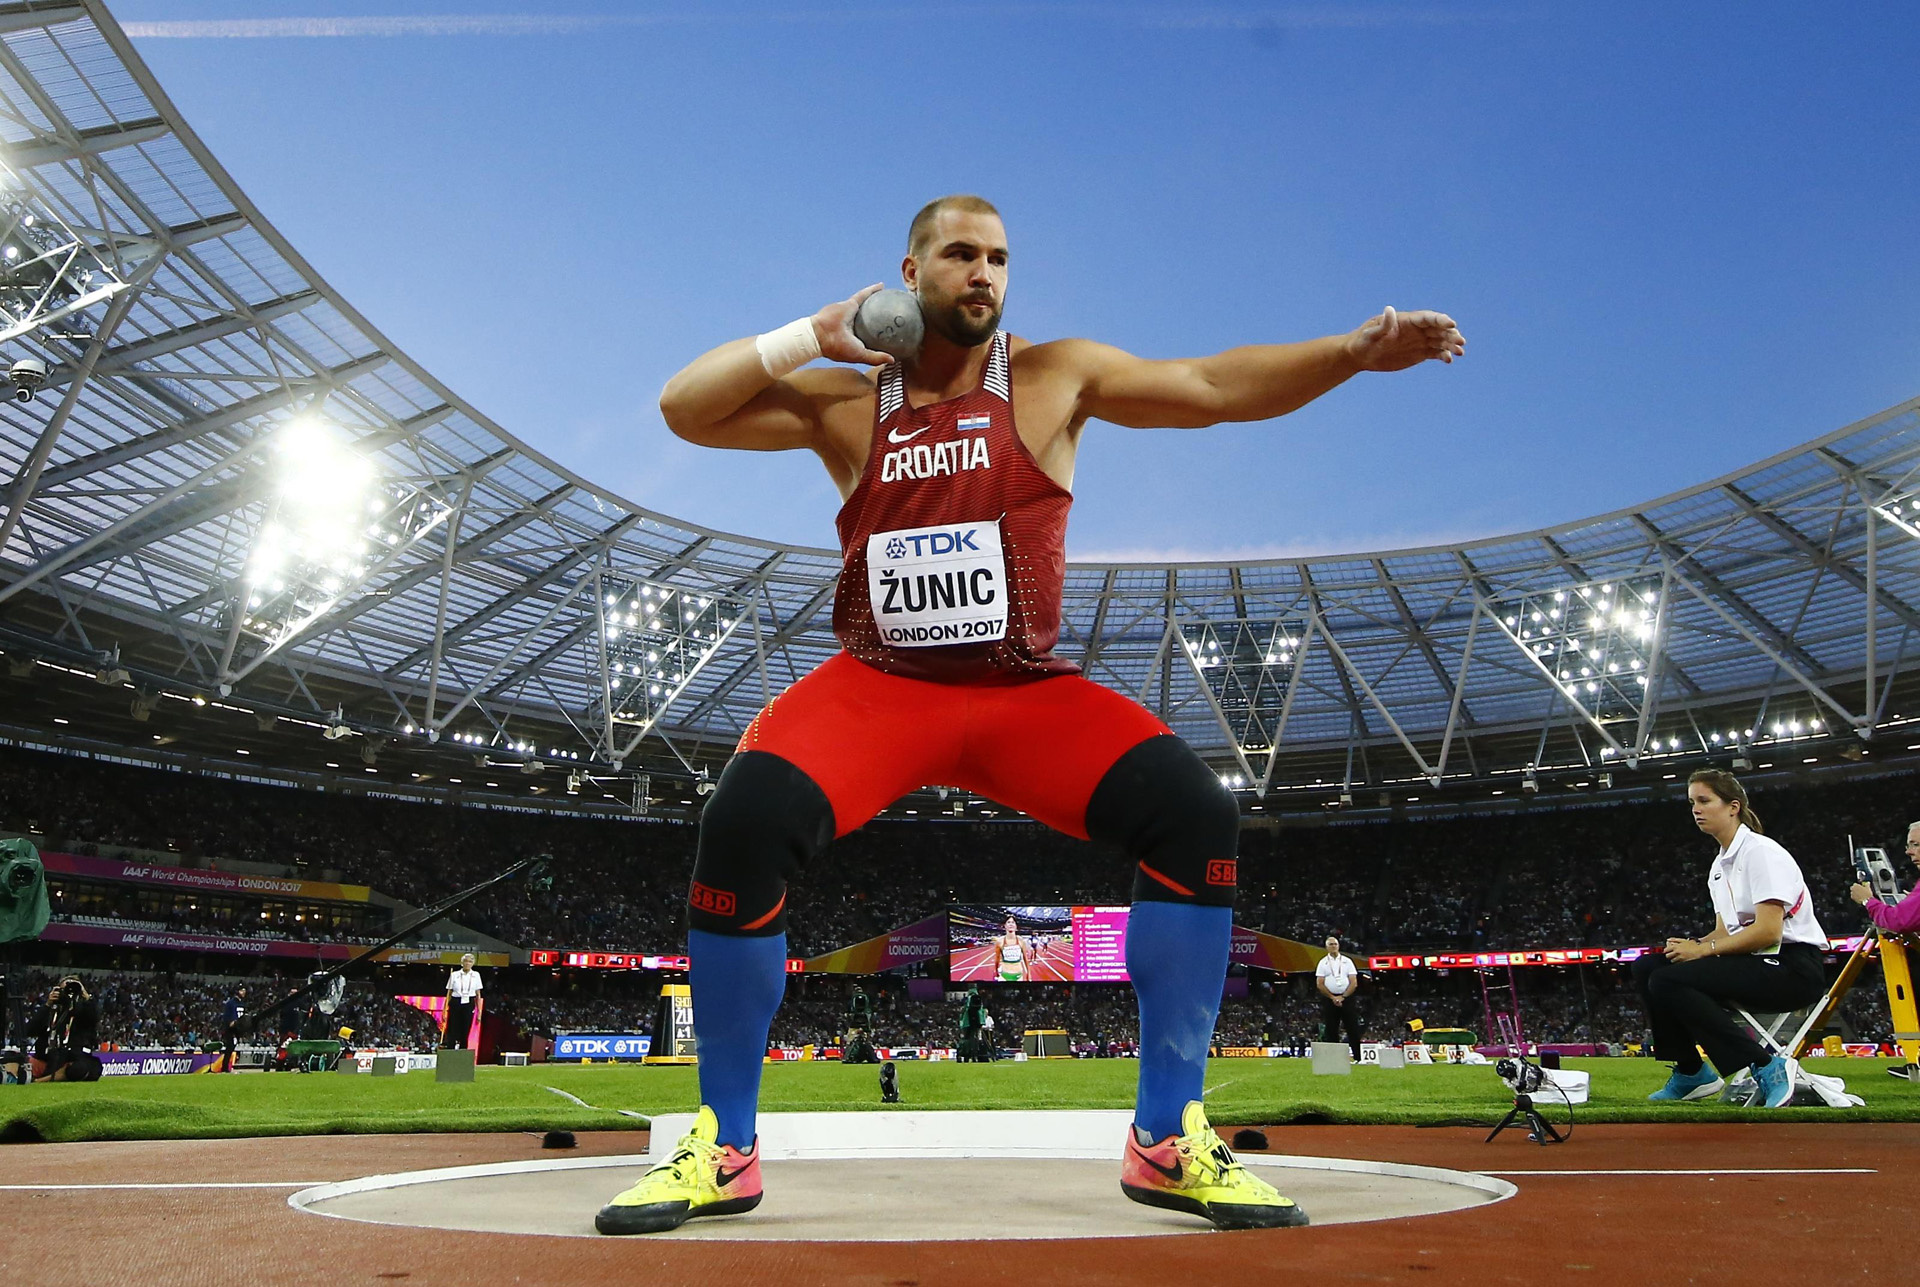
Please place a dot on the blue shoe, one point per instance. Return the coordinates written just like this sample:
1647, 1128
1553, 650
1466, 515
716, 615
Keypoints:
1703, 1084
1776, 1082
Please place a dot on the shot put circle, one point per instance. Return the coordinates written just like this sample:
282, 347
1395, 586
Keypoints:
889, 321
903, 1178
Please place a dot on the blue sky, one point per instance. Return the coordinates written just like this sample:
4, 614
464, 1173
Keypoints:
1679, 238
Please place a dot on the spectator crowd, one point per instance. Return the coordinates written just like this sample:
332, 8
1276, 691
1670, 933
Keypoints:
1586, 873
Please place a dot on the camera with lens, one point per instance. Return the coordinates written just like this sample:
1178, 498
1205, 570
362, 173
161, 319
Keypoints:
29, 376
19, 878
1523, 1076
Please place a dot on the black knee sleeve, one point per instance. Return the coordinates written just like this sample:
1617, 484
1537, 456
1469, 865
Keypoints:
764, 819
1168, 813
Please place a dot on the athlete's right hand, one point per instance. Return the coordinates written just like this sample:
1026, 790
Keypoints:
834, 326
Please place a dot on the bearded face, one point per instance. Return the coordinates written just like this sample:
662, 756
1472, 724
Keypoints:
959, 276
968, 320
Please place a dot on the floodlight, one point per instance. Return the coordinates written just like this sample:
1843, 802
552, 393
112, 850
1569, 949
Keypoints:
655, 639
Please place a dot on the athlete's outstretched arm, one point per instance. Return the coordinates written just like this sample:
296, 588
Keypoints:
1253, 383
727, 398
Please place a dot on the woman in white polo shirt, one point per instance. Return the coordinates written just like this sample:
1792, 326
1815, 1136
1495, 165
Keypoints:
1766, 953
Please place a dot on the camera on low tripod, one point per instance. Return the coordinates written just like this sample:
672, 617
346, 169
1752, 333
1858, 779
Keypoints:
1526, 1079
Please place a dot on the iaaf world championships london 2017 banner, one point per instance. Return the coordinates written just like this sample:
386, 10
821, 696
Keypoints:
240, 945
147, 1063
204, 882
181, 941
924, 940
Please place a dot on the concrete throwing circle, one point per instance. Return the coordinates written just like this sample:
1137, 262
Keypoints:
895, 1177
891, 1199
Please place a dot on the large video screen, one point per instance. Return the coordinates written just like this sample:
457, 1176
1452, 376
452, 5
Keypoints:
998, 943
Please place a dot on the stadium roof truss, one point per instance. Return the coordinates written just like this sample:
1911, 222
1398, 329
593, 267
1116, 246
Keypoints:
487, 595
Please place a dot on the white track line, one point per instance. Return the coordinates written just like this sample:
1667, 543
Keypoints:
260, 1184
624, 1112
1754, 1170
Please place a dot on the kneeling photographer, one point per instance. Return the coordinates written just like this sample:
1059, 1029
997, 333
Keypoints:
73, 1031
1766, 953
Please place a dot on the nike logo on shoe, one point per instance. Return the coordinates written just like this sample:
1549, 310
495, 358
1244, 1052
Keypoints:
895, 437
723, 1177
1173, 1173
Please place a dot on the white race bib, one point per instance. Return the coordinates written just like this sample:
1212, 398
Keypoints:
934, 586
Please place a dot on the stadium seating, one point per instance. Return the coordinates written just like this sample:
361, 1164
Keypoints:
1593, 875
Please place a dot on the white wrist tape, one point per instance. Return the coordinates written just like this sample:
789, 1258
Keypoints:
789, 348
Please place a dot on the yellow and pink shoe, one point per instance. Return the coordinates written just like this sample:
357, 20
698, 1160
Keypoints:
701, 1177
1195, 1172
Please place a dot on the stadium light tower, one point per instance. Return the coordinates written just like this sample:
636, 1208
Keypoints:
1598, 644
332, 523
50, 271
1247, 669
1902, 509
655, 638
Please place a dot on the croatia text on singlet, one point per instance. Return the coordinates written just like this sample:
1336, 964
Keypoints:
954, 542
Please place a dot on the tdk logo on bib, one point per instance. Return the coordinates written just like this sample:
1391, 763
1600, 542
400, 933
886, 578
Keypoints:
932, 586
938, 541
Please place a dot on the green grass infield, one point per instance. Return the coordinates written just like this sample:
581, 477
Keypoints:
1266, 1092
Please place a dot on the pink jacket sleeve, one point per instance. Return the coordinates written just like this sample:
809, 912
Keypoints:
1902, 918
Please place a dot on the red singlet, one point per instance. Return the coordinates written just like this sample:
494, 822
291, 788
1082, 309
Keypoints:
954, 542
954, 548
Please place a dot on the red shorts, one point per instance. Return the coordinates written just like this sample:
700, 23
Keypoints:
867, 738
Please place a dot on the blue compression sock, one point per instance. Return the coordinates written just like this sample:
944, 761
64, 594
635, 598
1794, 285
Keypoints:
737, 985
1177, 955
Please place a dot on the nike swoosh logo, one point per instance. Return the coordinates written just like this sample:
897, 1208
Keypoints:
1172, 1173
722, 1177
895, 437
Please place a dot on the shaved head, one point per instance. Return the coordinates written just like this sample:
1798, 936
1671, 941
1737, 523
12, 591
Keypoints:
920, 232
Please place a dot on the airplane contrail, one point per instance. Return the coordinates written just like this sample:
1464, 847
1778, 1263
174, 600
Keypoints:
536, 24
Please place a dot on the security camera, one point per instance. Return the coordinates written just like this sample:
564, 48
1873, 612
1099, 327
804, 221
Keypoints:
704, 786
334, 732
29, 376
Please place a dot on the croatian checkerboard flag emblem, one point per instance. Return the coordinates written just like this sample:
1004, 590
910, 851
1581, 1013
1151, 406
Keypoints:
968, 423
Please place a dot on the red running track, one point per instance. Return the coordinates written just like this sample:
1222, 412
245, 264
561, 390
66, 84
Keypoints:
1646, 1204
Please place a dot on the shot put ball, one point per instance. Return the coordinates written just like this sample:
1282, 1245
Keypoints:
889, 322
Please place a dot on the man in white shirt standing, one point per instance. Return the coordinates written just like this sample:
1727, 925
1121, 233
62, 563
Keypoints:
1337, 979
463, 985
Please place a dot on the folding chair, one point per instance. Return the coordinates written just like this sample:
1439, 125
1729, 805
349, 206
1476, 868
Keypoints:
1743, 1090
